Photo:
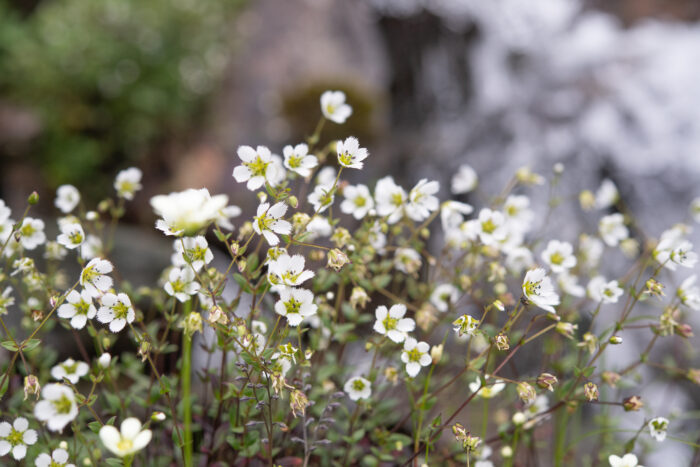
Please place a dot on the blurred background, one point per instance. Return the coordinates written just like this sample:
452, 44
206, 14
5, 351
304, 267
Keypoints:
609, 88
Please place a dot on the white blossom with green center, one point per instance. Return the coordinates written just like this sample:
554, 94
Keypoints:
94, 277
72, 235
559, 256
538, 289
391, 199
415, 355
444, 296
407, 260
391, 322
322, 197
358, 201
129, 439
16, 437
333, 106
182, 283
295, 304
192, 252
602, 291
288, 271
466, 325
422, 200
298, 160
128, 182
57, 407
115, 310
31, 233
257, 167
658, 427
268, 222
70, 370
350, 154
358, 388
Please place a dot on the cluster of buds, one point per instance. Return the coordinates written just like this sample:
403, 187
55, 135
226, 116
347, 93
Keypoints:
469, 442
654, 288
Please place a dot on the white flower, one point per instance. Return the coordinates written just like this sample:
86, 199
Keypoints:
326, 176
569, 284
628, 460
32, 233
72, 236
538, 289
559, 256
333, 106
488, 390
67, 198
128, 182
607, 194
657, 428
694, 210
91, 247
612, 229
465, 180
322, 197
421, 200
517, 212
94, 277
392, 323
5, 212
415, 355
225, 214
57, 407
115, 310
6, 300
452, 214
71, 370
318, 226
192, 250
519, 259
104, 360
491, 228
358, 201
181, 284
407, 260
187, 211
54, 251
591, 250
466, 324
295, 305
443, 296
358, 388
689, 293
16, 438
288, 271
391, 199
298, 160
681, 254
602, 291
376, 237
268, 221
58, 458
128, 440
257, 167
78, 307
5, 229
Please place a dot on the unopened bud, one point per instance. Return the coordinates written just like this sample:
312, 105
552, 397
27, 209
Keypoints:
31, 386
293, 201
615, 340
436, 353
158, 416
526, 392
590, 390
610, 378
192, 323
632, 404
684, 330
547, 381
337, 259
359, 297
587, 200
33, 198
566, 329
104, 360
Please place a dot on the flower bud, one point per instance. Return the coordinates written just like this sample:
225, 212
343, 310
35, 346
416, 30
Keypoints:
587, 200
502, 342
192, 323
615, 340
63, 445
359, 297
526, 392
341, 237
632, 404
547, 381
519, 418
694, 375
654, 288
566, 329
104, 360
610, 378
158, 416
217, 315
31, 386
33, 198
337, 259
590, 390
528, 177
684, 330
436, 353
293, 201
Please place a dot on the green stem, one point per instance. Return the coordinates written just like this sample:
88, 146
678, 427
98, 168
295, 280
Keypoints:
186, 388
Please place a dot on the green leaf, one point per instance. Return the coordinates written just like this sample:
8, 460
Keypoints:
9, 345
31, 344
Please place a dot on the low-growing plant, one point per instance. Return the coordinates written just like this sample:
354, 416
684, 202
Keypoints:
386, 328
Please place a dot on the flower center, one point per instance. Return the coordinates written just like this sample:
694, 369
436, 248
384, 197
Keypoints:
414, 355
62, 405
397, 199
121, 310
390, 323
15, 437
556, 258
125, 444
292, 306
360, 201
257, 167
345, 158
294, 161
488, 226
358, 385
